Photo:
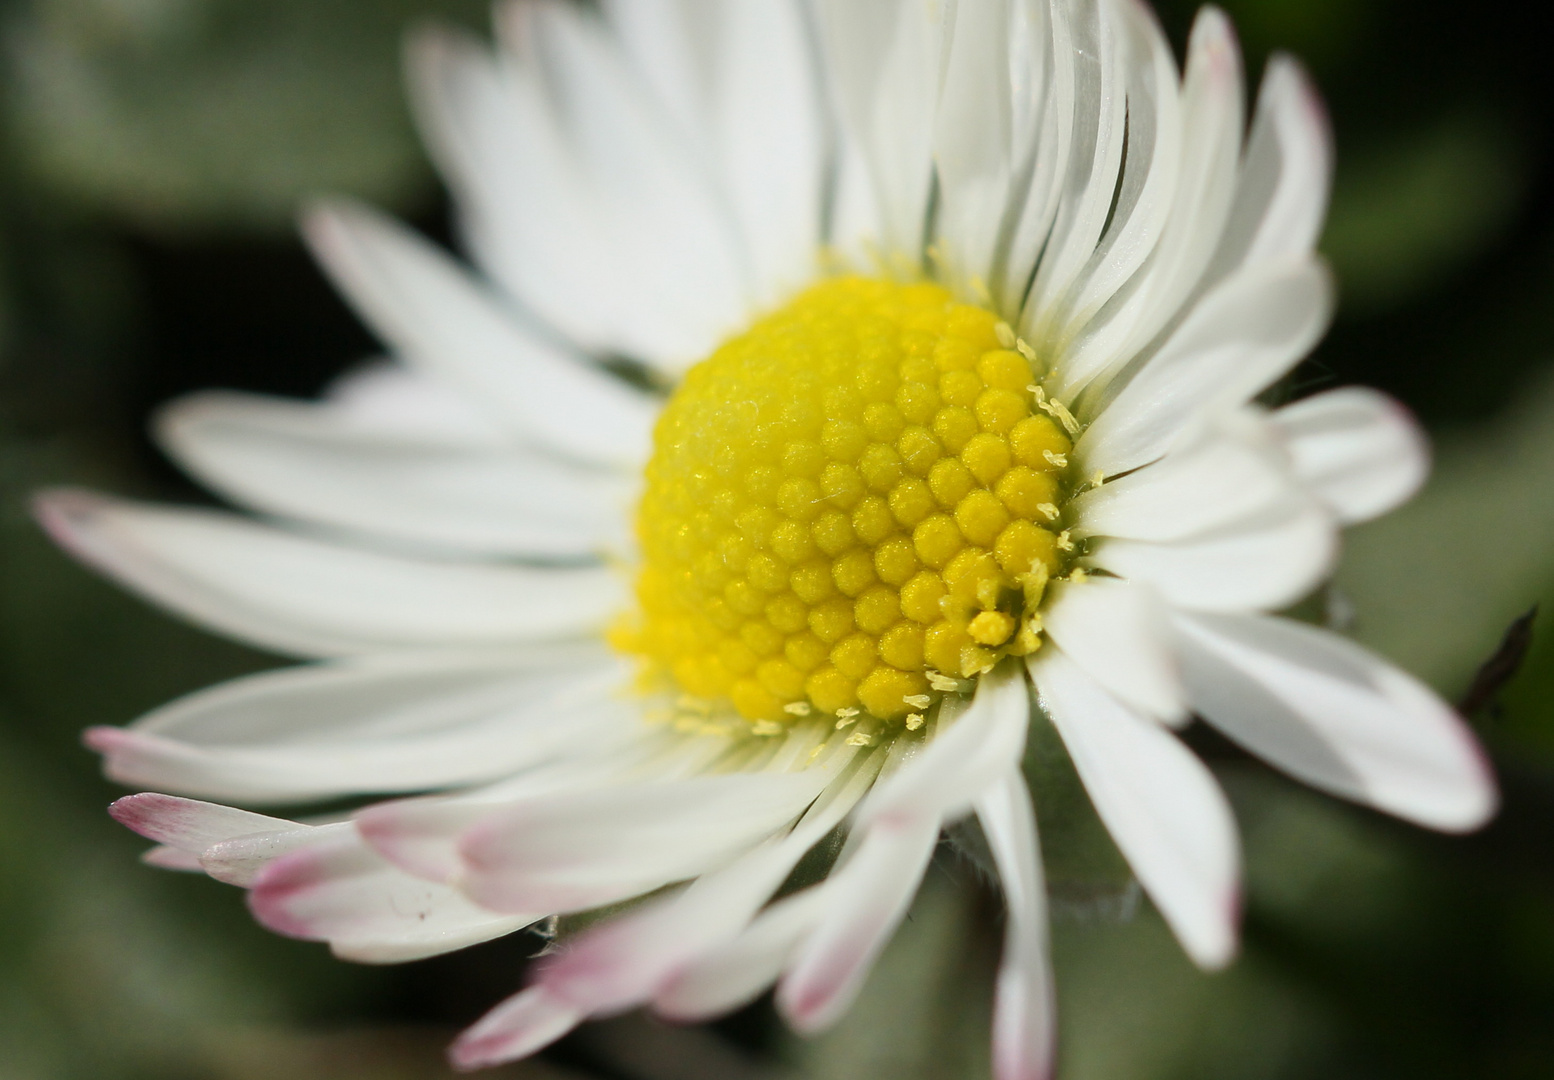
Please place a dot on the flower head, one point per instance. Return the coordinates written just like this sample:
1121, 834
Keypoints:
820, 399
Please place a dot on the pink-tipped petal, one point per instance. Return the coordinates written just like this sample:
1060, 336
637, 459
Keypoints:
1161, 804
869, 898
1024, 1024
528, 1021
1331, 713
341, 892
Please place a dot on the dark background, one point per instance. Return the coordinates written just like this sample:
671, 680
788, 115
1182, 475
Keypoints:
152, 153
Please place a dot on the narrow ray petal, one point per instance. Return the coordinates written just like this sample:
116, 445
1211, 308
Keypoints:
1163, 808
580, 850
302, 461
1359, 450
1119, 633
1241, 337
1263, 562
1024, 1024
438, 319
309, 597
1330, 713
342, 892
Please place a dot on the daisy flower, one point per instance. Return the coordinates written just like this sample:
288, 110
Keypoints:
835, 384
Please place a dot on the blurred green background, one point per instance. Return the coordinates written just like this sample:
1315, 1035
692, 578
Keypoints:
151, 155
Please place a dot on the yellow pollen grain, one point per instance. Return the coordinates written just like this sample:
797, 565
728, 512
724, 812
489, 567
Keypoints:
845, 508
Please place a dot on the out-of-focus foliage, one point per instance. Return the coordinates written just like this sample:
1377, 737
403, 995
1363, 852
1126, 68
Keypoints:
188, 113
152, 153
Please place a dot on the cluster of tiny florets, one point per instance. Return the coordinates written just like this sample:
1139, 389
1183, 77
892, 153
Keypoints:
852, 505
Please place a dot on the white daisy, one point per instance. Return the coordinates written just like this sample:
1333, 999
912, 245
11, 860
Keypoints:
958, 313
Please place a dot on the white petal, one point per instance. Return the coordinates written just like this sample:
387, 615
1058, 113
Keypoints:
577, 192
421, 835
300, 461
1119, 633
369, 911
1100, 76
404, 723
1359, 450
228, 844
884, 58
579, 850
974, 138
439, 319
1147, 183
1207, 484
1281, 193
666, 220
309, 597
1337, 717
627, 960
736, 972
384, 397
947, 773
1210, 133
1240, 338
528, 1021
1050, 108
239, 860
187, 825
866, 900
1024, 1025
1263, 562
1160, 804
527, 213
742, 78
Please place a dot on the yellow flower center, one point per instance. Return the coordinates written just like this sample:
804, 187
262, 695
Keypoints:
851, 506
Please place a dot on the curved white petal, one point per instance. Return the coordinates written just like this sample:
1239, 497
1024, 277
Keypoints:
1161, 805
528, 1021
1050, 113
529, 217
1120, 634
1149, 174
1210, 136
421, 835
577, 191
867, 899
404, 723
309, 597
736, 972
1207, 484
664, 216
946, 774
885, 59
628, 960
386, 398
298, 460
1329, 712
978, 152
1263, 562
1358, 449
743, 79
1240, 338
188, 825
230, 845
1100, 59
577, 850
1286, 173
1024, 1024
340, 891
439, 319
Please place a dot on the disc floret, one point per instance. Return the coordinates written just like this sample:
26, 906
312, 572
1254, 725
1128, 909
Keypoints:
854, 505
